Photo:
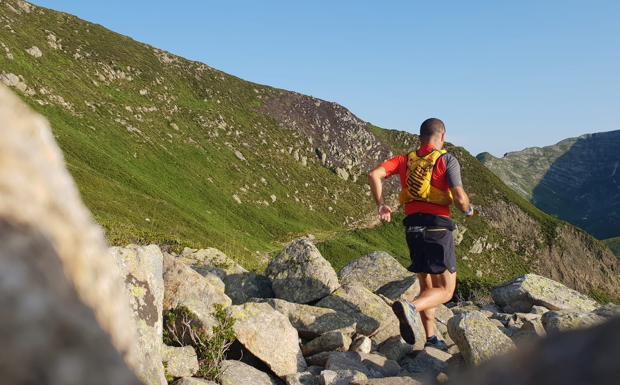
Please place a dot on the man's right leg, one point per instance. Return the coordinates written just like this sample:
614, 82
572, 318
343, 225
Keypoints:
428, 315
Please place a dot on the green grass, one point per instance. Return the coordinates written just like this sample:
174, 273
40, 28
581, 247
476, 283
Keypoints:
614, 245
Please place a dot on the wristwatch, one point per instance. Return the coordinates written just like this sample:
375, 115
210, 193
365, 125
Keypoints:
470, 212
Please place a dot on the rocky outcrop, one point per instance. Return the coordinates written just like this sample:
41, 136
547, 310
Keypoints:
563, 320
269, 336
199, 294
142, 267
531, 289
301, 274
478, 338
66, 296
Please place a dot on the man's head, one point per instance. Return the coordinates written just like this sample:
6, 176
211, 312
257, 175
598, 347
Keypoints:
433, 131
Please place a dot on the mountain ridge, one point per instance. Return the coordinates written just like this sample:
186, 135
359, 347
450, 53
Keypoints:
170, 151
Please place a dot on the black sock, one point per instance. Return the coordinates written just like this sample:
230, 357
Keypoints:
432, 340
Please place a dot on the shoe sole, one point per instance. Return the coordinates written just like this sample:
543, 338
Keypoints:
406, 331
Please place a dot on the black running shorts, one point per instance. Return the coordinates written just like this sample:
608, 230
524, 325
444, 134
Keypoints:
431, 249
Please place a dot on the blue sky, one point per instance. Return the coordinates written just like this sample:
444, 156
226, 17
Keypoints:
503, 75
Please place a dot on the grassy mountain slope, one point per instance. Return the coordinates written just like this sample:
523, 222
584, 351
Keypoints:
614, 245
172, 151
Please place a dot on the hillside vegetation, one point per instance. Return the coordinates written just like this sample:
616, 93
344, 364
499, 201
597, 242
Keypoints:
174, 152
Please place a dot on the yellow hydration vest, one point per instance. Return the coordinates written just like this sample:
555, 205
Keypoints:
419, 175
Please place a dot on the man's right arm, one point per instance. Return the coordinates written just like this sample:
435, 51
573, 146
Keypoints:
461, 200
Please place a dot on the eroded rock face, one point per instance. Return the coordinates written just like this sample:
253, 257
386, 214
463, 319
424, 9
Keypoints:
186, 288
587, 356
37, 192
269, 336
373, 271
301, 274
477, 337
142, 267
239, 373
531, 289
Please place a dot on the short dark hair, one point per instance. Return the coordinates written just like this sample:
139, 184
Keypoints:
431, 127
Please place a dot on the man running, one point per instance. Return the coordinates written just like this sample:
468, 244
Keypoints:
430, 179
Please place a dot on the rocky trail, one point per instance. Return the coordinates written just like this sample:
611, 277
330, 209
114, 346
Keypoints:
79, 312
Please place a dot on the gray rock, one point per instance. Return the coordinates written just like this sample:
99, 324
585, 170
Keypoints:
240, 373
395, 348
211, 260
241, 288
35, 51
609, 310
303, 378
406, 289
429, 361
477, 337
556, 360
372, 365
373, 316
179, 361
361, 344
269, 336
301, 274
313, 321
331, 341
340, 377
183, 287
69, 314
319, 359
193, 381
373, 271
142, 267
563, 320
521, 294
540, 310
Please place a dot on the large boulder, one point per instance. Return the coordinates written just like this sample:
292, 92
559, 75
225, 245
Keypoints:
584, 356
239, 373
179, 361
372, 314
341, 377
406, 289
185, 288
65, 311
313, 321
243, 287
301, 274
269, 336
521, 294
373, 271
142, 267
477, 338
563, 320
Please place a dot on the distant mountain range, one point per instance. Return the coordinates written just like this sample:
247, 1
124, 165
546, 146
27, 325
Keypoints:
577, 180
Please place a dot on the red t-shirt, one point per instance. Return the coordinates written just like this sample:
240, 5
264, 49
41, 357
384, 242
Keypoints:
398, 164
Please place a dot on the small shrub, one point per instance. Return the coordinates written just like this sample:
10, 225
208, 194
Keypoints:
181, 328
